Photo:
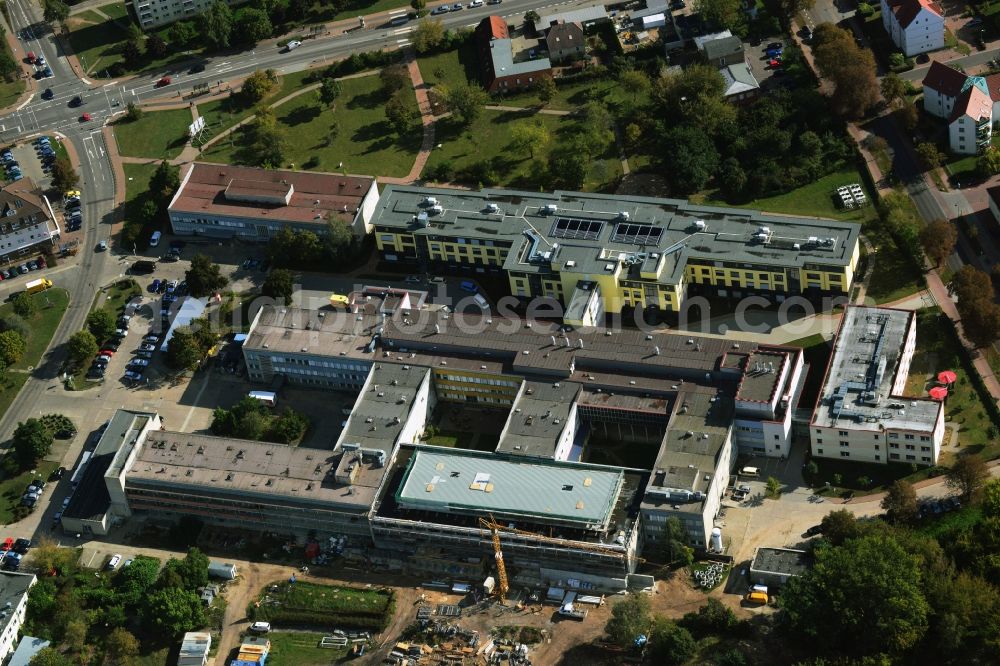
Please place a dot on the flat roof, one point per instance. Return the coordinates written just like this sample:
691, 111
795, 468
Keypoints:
381, 410
538, 417
313, 198
583, 15
785, 561
608, 234
91, 499
327, 331
761, 371
251, 470
857, 391
466, 482
13, 586
686, 461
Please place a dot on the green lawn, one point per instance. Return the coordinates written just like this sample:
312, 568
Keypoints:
221, 114
10, 92
10, 386
301, 649
115, 10
363, 141
451, 67
50, 305
137, 179
158, 134
159, 657
12, 487
572, 96
96, 41
331, 598
893, 275
117, 296
815, 199
487, 139
938, 349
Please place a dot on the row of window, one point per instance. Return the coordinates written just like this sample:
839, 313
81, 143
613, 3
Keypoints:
878, 457
438, 376
892, 435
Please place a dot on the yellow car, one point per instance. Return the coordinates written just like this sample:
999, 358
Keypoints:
72, 193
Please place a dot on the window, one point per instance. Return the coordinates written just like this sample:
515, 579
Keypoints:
844, 444
777, 437
819, 441
843, 433
878, 457
910, 447
845, 454
819, 452
925, 458
893, 456
909, 457
925, 448
925, 438
909, 436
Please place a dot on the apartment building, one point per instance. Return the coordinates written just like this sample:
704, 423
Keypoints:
915, 26
862, 413
604, 253
153, 14
27, 223
14, 589
223, 201
968, 103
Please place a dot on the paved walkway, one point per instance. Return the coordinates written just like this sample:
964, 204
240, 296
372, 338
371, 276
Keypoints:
427, 120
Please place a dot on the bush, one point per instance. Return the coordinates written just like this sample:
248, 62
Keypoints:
865, 10
58, 425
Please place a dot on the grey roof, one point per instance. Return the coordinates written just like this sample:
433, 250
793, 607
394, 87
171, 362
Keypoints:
662, 234
26, 650
700, 41
539, 416
381, 410
91, 499
686, 463
722, 47
738, 79
762, 373
858, 390
254, 471
578, 302
299, 331
784, 561
502, 53
569, 493
195, 644
582, 16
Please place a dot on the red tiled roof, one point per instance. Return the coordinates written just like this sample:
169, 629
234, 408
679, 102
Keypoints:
993, 85
972, 102
494, 27
314, 196
944, 79
907, 10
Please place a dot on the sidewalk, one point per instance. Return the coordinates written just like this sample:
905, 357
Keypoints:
427, 120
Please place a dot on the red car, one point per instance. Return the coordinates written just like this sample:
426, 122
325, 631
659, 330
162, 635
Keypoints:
774, 63
107, 352
30, 57
85, 117
165, 81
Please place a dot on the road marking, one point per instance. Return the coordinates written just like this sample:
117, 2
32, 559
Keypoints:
402, 42
402, 31
86, 81
26, 103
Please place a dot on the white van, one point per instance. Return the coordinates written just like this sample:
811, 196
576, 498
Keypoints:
260, 627
154, 240
749, 471
292, 45
481, 302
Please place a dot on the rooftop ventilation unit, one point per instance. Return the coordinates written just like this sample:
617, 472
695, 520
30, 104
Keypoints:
623, 215
550, 209
430, 201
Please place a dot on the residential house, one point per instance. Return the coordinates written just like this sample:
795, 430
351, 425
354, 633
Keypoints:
915, 26
723, 51
14, 588
969, 103
27, 223
566, 41
498, 70
153, 14
741, 86
255, 204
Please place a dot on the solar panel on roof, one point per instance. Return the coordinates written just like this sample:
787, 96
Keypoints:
576, 229
636, 234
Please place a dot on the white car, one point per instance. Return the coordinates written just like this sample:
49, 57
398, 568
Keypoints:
475, 3
292, 45
154, 240
113, 562
139, 362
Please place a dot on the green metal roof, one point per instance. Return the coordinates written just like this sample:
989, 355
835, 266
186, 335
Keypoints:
468, 482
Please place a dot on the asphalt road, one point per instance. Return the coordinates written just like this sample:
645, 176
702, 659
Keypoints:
917, 74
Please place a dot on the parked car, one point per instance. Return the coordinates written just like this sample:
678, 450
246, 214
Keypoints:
134, 375
139, 362
776, 45
147, 346
443, 9
85, 118
155, 286
57, 474
113, 562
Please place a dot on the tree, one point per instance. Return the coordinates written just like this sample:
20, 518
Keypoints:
692, 160
164, 183
893, 88
339, 241
156, 47
24, 304
848, 67
929, 155
714, 618
217, 25
968, 476
988, 162
568, 164
251, 26
863, 597
136, 580
54, 11
629, 618
101, 324
183, 34
132, 51
64, 176
75, 634
251, 426
939, 238
900, 502
529, 136
400, 113
970, 284
13, 322
278, 285
120, 648
133, 112
545, 89
266, 143
724, 13
204, 277
465, 101
289, 427
12, 348
991, 498
418, 5
532, 17
183, 352
49, 657
31, 442
259, 85
82, 346
673, 544
670, 643
329, 91
635, 82
839, 526
394, 78
773, 488
428, 35
172, 611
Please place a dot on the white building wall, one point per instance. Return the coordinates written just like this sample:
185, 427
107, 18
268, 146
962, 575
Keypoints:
116, 483
962, 136
568, 434
925, 33
362, 225
9, 635
905, 357
937, 103
422, 406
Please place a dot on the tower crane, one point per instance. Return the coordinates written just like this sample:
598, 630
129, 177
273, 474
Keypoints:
494, 528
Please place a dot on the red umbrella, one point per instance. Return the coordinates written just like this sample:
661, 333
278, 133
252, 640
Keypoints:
939, 393
947, 376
